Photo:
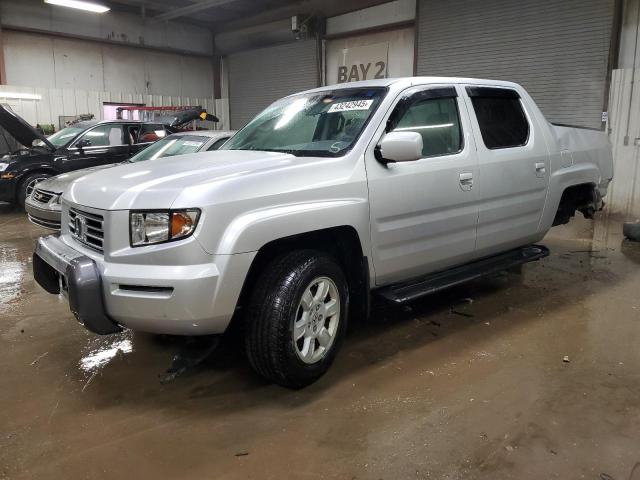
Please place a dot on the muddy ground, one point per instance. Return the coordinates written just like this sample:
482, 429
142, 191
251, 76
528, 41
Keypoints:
468, 384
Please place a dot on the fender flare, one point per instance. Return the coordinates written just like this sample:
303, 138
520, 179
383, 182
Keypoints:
252, 230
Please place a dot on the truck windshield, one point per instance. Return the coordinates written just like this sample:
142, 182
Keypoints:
325, 124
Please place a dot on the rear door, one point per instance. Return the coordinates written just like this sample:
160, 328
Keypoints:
100, 145
424, 213
514, 168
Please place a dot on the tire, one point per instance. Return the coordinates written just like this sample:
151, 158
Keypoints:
632, 231
26, 185
276, 310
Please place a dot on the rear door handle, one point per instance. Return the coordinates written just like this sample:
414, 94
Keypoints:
466, 181
540, 169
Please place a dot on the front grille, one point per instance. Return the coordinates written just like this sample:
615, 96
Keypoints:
42, 196
44, 222
87, 228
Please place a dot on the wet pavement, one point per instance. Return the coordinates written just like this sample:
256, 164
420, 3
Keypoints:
472, 383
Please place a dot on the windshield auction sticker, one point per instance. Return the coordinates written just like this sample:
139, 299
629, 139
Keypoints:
349, 106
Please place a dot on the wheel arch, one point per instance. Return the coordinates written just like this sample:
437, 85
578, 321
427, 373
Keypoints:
20, 179
579, 176
341, 242
583, 198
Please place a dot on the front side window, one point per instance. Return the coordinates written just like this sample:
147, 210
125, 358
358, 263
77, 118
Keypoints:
323, 124
435, 119
104, 136
169, 146
502, 121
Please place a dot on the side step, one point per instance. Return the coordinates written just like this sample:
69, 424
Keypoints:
434, 282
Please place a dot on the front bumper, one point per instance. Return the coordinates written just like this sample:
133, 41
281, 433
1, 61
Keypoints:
57, 267
197, 299
46, 215
7, 190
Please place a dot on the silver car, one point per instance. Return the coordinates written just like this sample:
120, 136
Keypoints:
43, 205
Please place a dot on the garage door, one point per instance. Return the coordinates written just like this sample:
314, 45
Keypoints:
557, 49
258, 77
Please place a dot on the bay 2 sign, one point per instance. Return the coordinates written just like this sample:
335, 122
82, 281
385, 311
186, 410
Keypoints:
363, 63
361, 72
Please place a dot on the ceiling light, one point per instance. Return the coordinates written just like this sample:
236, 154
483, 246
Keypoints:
80, 5
22, 96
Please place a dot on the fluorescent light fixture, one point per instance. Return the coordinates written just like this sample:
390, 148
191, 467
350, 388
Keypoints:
22, 96
80, 5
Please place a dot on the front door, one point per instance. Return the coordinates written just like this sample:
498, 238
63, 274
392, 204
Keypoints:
100, 145
424, 213
514, 168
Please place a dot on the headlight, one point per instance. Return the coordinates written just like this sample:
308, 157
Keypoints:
3, 166
151, 227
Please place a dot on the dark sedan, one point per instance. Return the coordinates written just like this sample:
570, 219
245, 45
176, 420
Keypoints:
85, 144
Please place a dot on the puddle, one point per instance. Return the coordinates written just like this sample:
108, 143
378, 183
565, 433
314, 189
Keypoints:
12, 274
103, 350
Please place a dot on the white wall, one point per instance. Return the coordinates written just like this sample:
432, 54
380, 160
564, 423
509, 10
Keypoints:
361, 53
389, 13
396, 46
127, 29
56, 102
45, 61
624, 120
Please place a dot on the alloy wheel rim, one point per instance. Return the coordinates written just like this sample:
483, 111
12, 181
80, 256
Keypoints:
316, 323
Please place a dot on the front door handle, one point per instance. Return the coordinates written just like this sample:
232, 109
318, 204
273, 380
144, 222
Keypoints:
466, 181
540, 169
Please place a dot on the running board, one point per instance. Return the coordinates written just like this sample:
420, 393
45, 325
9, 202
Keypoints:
434, 282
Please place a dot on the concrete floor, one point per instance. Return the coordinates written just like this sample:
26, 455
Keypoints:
446, 388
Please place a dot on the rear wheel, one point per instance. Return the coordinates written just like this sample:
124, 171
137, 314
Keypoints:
296, 318
27, 185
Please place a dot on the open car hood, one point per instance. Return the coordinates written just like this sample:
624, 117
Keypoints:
24, 133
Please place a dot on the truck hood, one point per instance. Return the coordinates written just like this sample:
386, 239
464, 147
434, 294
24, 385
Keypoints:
24, 133
154, 185
59, 183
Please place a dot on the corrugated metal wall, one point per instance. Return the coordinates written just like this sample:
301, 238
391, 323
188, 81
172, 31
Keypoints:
56, 102
258, 77
557, 49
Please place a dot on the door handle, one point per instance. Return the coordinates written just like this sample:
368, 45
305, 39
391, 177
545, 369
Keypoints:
540, 169
466, 181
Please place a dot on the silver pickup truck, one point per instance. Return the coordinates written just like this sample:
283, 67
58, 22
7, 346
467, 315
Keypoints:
397, 188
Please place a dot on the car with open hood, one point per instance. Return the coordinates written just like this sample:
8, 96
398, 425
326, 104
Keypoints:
43, 204
30, 157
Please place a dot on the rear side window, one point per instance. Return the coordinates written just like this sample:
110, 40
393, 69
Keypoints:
501, 118
435, 119
146, 133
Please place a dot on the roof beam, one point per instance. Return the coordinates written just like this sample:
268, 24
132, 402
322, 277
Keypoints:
190, 9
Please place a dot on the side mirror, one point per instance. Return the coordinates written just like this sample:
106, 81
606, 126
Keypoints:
399, 147
83, 142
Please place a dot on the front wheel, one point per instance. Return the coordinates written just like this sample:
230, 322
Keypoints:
296, 318
27, 185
